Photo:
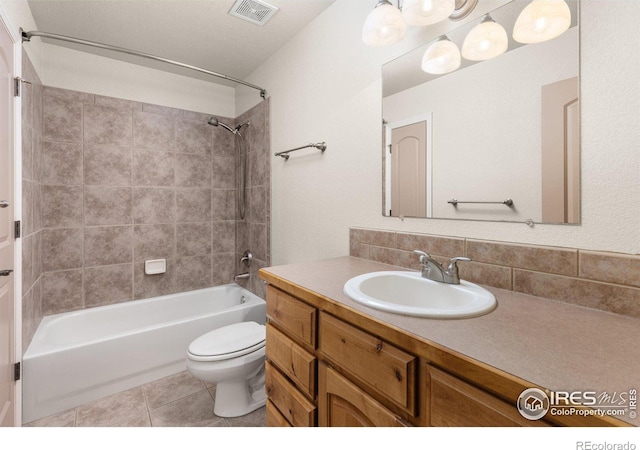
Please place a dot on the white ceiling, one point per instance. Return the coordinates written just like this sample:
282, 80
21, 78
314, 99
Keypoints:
198, 33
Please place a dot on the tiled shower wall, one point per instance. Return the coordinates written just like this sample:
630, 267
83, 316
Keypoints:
32, 192
253, 232
599, 280
125, 182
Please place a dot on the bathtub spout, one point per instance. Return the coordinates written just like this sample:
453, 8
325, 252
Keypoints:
242, 276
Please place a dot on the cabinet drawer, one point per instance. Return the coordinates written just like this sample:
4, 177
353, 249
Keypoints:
456, 403
274, 418
342, 404
294, 406
292, 315
296, 363
389, 371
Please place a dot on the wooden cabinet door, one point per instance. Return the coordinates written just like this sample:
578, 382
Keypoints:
342, 404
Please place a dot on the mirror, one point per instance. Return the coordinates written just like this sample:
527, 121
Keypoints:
495, 140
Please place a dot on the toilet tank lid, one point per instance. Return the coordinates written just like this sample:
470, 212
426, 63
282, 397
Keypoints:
229, 339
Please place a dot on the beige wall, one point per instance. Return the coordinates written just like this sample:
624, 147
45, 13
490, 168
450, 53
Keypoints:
325, 85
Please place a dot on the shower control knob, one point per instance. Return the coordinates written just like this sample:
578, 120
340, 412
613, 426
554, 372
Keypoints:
5, 273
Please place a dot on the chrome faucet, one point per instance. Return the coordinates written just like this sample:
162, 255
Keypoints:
433, 270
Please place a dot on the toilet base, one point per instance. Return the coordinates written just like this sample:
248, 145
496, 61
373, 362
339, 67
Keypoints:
234, 399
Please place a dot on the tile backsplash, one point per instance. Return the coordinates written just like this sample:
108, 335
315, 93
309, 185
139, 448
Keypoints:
599, 280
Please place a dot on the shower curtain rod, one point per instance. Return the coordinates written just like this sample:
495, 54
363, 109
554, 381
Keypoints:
27, 35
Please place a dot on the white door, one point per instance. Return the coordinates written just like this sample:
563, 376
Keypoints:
7, 345
409, 170
561, 152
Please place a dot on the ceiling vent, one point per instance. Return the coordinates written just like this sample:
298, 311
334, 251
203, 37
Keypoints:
254, 11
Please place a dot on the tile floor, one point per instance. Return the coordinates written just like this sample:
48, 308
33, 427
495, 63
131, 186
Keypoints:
178, 400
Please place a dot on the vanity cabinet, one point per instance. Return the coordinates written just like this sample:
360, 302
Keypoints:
330, 366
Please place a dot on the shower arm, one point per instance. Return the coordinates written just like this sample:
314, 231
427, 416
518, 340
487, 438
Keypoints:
27, 35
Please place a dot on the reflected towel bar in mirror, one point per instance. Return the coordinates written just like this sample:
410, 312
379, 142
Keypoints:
322, 146
507, 202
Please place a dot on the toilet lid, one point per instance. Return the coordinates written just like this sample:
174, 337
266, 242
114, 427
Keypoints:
230, 341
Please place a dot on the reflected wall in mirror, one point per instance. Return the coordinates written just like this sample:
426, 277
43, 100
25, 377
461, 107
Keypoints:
458, 146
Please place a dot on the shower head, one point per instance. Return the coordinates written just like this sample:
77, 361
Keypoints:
214, 121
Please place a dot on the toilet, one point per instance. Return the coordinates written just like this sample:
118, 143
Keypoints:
233, 358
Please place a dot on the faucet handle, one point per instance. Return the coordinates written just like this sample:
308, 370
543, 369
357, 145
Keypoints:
453, 262
423, 256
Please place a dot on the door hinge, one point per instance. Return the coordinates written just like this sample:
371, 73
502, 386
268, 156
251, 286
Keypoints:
17, 86
16, 229
390, 147
16, 371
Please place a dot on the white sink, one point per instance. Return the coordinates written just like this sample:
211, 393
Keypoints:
410, 294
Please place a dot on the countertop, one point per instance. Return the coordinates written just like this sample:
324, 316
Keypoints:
551, 344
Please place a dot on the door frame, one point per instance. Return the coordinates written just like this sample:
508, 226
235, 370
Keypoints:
388, 128
14, 34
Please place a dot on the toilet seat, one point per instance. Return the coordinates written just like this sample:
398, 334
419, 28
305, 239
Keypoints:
228, 342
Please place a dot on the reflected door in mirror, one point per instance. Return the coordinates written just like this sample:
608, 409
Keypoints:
561, 152
409, 170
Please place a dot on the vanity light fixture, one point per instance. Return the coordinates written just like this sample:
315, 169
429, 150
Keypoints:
427, 12
486, 40
384, 25
387, 25
441, 57
542, 20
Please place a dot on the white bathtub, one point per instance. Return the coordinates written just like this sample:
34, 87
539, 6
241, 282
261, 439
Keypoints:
81, 356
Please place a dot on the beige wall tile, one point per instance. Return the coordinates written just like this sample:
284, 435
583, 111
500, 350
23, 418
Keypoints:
613, 268
154, 205
63, 291
117, 103
223, 268
66, 94
607, 297
374, 237
193, 273
193, 239
224, 237
258, 240
223, 204
107, 166
62, 120
436, 245
62, 163
153, 168
62, 249
193, 170
194, 136
562, 261
108, 245
487, 274
107, 205
105, 285
154, 131
146, 286
154, 241
223, 140
193, 205
62, 206
107, 126
257, 205
393, 256
223, 172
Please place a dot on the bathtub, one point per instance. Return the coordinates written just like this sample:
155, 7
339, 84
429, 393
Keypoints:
80, 356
